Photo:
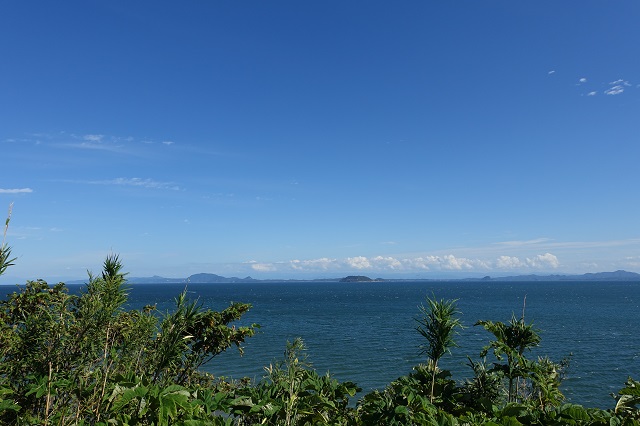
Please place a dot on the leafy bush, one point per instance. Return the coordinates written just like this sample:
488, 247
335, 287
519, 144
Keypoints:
69, 359
293, 393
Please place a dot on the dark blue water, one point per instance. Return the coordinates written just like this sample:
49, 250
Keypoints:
365, 332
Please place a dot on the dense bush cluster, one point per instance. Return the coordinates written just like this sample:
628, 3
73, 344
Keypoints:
84, 359
87, 360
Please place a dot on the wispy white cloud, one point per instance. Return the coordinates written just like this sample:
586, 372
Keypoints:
387, 262
459, 263
93, 146
620, 82
551, 72
591, 244
421, 262
617, 87
322, 264
139, 182
16, 191
541, 261
91, 141
262, 267
93, 138
523, 242
633, 261
615, 90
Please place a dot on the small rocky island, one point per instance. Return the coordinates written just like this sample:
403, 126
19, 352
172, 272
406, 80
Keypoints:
356, 279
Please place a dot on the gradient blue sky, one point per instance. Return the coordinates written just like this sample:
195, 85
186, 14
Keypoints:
320, 138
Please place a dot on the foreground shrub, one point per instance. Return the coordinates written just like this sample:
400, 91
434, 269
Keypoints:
85, 359
292, 393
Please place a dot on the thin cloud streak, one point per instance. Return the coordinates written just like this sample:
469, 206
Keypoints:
551, 244
615, 90
16, 191
91, 141
523, 243
91, 146
137, 182
618, 87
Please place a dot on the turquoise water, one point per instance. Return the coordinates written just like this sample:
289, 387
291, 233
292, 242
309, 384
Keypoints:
365, 332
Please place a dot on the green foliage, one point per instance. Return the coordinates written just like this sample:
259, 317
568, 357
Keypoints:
545, 383
292, 393
483, 390
191, 336
511, 339
437, 325
402, 402
5, 251
86, 359
152, 404
629, 400
407, 400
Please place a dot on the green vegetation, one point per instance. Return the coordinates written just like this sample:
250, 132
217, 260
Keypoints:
86, 360
5, 250
438, 326
511, 340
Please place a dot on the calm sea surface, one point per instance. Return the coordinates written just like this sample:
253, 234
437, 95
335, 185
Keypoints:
365, 332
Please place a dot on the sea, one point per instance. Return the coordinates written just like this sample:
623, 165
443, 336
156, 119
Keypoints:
366, 332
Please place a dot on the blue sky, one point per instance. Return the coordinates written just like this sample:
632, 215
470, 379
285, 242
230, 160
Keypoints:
320, 138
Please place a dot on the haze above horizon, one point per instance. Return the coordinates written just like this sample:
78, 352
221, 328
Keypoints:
314, 139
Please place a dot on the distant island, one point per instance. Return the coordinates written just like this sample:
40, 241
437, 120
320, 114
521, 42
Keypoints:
358, 279
598, 276
207, 278
213, 278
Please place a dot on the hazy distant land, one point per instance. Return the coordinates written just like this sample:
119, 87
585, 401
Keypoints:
207, 278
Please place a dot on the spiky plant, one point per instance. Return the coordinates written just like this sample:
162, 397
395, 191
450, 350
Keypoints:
511, 339
5, 250
437, 324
